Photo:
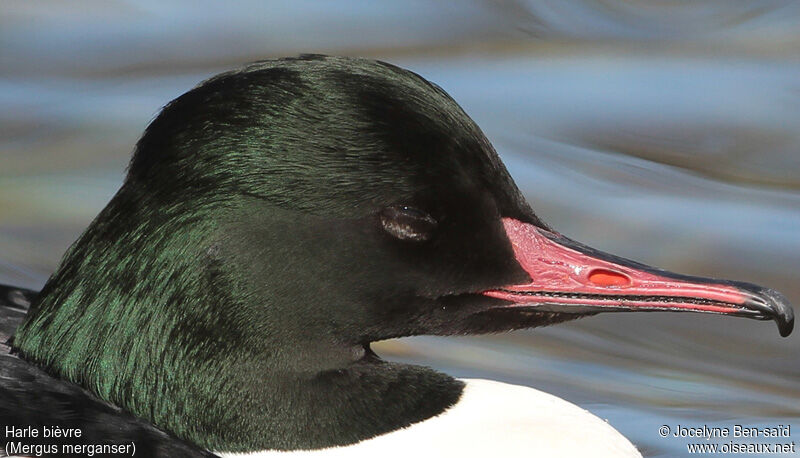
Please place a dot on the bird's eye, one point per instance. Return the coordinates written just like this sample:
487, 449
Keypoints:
408, 223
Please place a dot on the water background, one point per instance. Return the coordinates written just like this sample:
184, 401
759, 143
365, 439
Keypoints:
663, 131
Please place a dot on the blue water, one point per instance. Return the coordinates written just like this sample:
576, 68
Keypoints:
667, 132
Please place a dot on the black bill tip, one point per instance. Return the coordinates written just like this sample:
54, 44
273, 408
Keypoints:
773, 305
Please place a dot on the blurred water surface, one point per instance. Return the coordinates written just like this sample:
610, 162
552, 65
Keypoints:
661, 130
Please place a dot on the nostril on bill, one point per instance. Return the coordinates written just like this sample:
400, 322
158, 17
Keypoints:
605, 277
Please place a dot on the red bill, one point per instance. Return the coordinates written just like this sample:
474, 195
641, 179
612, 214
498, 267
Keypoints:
569, 277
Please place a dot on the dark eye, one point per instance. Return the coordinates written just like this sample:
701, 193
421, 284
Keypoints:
408, 223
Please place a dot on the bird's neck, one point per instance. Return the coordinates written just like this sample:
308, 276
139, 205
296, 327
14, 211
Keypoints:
253, 407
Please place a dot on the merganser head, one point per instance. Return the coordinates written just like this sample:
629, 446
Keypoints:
277, 219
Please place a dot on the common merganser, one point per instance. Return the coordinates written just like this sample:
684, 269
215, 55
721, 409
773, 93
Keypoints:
274, 222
